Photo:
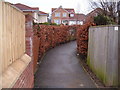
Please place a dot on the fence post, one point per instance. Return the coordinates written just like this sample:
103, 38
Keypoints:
118, 8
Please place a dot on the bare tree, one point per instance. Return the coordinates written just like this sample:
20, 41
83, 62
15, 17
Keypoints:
109, 7
118, 10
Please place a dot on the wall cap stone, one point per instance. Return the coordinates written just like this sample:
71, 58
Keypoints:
99, 26
13, 72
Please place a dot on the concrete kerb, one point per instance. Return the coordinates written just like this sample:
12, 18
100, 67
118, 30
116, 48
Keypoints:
87, 72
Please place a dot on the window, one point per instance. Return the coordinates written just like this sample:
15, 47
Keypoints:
71, 15
57, 21
72, 22
64, 14
57, 14
65, 22
80, 22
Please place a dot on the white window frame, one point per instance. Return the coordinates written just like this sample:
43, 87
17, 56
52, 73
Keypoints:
71, 15
57, 14
64, 14
57, 21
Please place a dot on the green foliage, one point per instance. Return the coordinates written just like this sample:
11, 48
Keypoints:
53, 24
103, 20
47, 23
34, 23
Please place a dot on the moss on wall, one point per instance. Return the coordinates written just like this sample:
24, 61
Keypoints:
100, 73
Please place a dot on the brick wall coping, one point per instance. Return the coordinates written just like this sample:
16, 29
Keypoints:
13, 72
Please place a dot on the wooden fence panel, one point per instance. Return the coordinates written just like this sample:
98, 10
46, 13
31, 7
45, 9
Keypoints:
0, 38
103, 53
12, 34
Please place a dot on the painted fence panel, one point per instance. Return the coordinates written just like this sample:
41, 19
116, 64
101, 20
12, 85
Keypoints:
103, 53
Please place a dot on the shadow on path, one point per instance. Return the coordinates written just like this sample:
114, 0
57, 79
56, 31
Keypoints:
61, 68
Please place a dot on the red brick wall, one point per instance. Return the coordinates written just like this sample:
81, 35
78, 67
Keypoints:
29, 34
26, 79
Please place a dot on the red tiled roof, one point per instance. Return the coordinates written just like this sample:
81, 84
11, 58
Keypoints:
35, 8
53, 9
97, 10
68, 9
78, 17
41, 12
93, 13
89, 16
25, 7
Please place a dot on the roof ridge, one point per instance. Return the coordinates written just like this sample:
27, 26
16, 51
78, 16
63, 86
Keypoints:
23, 5
26, 6
68, 8
43, 12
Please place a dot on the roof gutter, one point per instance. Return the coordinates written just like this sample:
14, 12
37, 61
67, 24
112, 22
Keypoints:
31, 10
42, 14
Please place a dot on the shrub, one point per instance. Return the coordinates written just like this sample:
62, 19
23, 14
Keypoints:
53, 24
47, 23
103, 20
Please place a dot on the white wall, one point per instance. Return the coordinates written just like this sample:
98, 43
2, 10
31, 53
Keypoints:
75, 22
80, 22
35, 15
72, 22
42, 19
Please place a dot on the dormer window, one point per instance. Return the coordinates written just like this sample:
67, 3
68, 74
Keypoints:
71, 15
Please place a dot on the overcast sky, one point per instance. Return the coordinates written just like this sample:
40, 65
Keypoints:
81, 6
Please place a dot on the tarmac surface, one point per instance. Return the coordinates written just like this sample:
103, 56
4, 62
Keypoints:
60, 68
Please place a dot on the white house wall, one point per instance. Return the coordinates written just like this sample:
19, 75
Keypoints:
35, 17
42, 19
72, 22
75, 22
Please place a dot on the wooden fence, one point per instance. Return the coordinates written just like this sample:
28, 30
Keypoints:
12, 34
103, 53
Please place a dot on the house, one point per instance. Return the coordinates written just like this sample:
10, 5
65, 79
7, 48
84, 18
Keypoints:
90, 16
42, 17
66, 16
39, 16
78, 19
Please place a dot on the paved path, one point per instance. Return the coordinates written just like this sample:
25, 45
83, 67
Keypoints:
61, 68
